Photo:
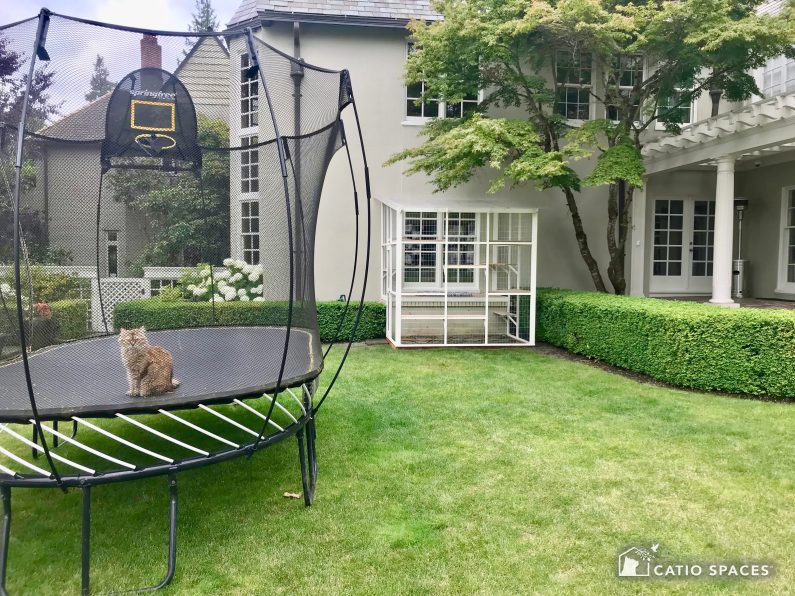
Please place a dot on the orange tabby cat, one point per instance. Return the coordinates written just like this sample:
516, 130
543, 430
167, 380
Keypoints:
150, 368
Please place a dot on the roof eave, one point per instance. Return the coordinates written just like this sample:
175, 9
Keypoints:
327, 19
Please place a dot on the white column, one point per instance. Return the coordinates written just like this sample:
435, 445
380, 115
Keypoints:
638, 256
724, 234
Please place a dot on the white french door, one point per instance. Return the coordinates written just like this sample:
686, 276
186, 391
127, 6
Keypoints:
681, 245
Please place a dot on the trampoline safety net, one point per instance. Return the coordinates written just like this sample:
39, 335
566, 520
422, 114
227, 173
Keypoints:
184, 171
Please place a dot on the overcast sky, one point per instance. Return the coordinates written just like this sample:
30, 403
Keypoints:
171, 15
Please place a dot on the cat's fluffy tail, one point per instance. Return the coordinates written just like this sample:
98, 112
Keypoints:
175, 383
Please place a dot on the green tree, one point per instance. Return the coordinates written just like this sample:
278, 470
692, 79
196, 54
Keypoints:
100, 80
204, 17
186, 219
514, 50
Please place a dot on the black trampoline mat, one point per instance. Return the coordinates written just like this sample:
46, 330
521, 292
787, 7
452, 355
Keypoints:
213, 364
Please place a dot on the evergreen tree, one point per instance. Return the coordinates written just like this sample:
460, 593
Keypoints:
100, 81
204, 17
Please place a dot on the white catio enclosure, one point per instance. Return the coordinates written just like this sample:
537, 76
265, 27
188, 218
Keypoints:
464, 275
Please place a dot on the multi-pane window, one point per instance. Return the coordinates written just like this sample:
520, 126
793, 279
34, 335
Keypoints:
627, 72
112, 242
419, 258
249, 164
460, 250
573, 77
675, 109
789, 235
778, 76
158, 285
668, 228
250, 231
436, 108
249, 94
703, 238
460, 109
428, 109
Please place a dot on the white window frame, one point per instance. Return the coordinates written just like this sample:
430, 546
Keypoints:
786, 85
590, 87
249, 253
441, 112
249, 158
439, 241
249, 84
644, 74
784, 286
693, 111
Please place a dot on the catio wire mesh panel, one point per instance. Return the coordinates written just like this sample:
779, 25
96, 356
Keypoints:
462, 276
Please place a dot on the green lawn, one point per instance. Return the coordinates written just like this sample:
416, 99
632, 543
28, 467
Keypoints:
453, 471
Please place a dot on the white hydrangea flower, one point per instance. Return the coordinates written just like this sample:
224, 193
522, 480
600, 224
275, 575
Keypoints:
221, 284
228, 262
241, 292
217, 298
205, 272
248, 269
230, 294
5, 288
200, 291
256, 290
240, 263
244, 298
259, 269
259, 299
253, 277
191, 287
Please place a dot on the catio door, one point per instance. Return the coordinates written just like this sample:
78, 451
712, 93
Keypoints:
682, 245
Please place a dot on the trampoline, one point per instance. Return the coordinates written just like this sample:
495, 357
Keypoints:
216, 192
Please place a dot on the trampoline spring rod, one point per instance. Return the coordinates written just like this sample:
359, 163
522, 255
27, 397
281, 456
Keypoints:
229, 420
298, 401
280, 406
55, 456
8, 471
84, 447
28, 465
255, 412
157, 433
118, 439
199, 429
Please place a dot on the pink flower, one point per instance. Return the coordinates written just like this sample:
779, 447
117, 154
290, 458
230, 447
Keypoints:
43, 310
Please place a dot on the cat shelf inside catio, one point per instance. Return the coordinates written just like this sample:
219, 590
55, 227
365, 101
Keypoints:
209, 173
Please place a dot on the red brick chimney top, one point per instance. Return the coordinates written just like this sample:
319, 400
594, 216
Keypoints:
151, 52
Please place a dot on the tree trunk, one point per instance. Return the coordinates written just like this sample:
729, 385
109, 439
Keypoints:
617, 238
582, 241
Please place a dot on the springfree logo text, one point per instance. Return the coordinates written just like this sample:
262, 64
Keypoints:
636, 562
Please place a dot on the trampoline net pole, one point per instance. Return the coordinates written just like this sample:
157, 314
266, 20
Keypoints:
38, 52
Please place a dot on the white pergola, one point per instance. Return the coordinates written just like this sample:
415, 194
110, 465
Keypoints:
763, 128
458, 273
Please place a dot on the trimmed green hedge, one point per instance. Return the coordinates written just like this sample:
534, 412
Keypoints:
72, 318
687, 344
156, 314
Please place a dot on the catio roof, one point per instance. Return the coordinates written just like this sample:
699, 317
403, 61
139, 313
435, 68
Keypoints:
361, 12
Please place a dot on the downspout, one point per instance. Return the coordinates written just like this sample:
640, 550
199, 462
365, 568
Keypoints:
297, 74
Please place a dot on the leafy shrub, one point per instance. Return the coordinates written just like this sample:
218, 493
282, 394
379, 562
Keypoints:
47, 286
687, 344
154, 314
72, 318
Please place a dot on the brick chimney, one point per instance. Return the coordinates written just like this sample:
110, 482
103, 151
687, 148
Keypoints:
151, 52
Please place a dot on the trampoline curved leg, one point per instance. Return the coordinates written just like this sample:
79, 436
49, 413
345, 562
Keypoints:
86, 539
172, 537
5, 491
306, 453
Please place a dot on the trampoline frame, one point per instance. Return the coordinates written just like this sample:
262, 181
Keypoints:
302, 426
